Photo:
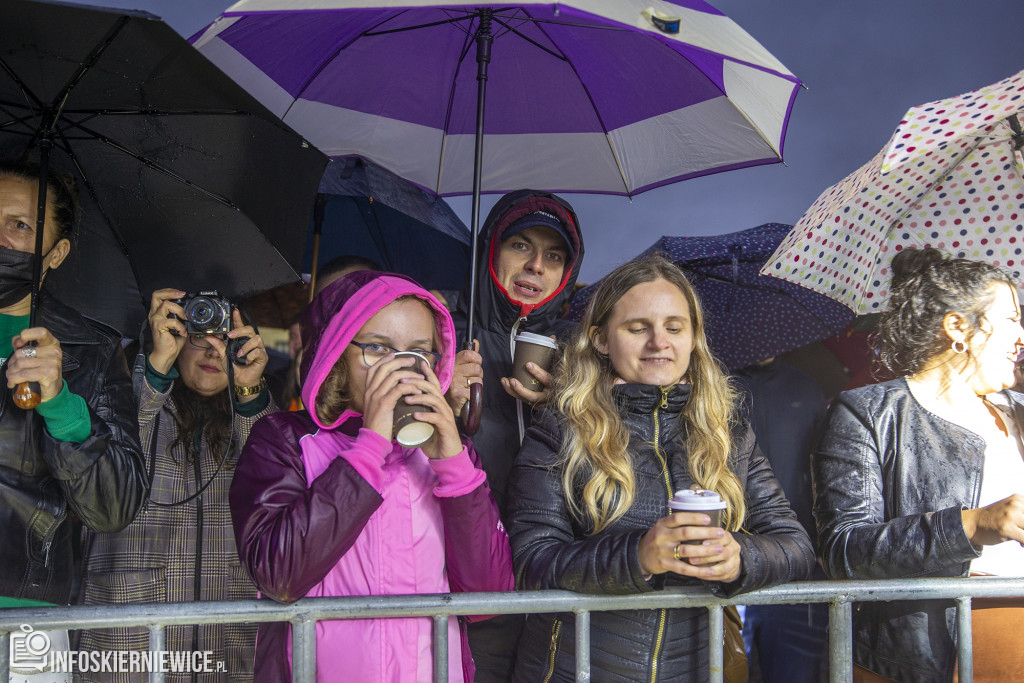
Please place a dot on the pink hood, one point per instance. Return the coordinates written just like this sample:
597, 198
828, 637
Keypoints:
334, 317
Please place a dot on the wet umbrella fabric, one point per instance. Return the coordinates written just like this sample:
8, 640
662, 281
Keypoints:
373, 213
950, 178
582, 96
185, 179
749, 317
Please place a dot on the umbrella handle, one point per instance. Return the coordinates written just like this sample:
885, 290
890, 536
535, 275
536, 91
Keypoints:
473, 409
27, 395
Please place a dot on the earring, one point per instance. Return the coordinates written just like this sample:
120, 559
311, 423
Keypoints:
959, 346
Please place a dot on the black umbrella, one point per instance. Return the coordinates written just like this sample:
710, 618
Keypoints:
186, 180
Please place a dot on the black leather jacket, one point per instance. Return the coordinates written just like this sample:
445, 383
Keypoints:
890, 480
45, 483
551, 549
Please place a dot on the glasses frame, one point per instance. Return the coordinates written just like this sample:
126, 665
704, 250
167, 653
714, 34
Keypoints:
436, 356
192, 340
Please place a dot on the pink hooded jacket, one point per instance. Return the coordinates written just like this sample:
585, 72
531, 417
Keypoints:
334, 509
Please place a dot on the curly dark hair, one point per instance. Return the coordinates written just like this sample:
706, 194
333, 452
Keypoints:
61, 192
195, 413
926, 285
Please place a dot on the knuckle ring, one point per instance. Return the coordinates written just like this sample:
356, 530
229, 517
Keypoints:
675, 553
28, 351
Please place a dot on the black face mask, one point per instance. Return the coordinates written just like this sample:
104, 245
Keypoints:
15, 275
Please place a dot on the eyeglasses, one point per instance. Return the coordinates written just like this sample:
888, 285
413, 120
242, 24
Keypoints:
374, 351
200, 341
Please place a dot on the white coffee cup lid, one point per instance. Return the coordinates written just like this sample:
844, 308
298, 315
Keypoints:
538, 339
414, 433
701, 499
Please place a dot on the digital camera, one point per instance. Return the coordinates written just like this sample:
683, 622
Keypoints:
206, 313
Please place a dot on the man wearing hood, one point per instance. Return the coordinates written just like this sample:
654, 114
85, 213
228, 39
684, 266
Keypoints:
532, 248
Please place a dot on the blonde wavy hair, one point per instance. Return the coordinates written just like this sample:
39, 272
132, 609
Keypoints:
597, 463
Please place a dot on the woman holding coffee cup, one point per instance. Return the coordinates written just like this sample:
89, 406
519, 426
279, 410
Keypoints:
639, 410
329, 502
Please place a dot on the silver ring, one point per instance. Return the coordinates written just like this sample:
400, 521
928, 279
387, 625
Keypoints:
28, 351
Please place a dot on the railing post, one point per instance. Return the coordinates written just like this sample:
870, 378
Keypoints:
304, 649
582, 646
5, 655
440, 648
157, 643
840, 640
965, 641
715, 640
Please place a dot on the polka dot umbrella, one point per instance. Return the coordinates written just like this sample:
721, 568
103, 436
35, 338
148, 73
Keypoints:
950, 178
748, 317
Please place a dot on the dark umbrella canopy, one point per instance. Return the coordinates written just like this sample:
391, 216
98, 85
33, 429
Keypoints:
373, 213
186, 180
749, 317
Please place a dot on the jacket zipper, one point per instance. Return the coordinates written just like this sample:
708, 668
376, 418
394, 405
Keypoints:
662, 613
556, 626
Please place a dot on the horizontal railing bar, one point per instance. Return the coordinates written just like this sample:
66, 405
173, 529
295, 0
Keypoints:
379, 607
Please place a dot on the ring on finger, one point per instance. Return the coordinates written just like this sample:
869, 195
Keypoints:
28, 351
675, 552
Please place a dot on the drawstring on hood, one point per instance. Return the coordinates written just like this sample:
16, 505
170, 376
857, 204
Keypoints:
337, 313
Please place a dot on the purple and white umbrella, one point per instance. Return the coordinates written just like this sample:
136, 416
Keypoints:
583, 96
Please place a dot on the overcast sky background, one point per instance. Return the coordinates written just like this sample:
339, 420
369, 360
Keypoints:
864, 62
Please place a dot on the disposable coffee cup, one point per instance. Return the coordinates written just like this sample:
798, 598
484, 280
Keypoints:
699, 500
409, 431
532, 348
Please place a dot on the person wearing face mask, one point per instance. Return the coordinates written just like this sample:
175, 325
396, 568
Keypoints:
923, 475
194, 421
73, 459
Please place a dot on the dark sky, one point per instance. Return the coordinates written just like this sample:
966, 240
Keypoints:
864, 62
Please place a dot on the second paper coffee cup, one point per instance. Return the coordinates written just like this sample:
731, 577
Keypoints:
532, 348
408, 430
699, 500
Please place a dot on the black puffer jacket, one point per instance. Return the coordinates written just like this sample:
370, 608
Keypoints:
497, 321
890, 480
550, 549
44, 483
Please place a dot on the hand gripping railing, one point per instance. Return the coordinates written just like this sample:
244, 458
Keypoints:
304, 614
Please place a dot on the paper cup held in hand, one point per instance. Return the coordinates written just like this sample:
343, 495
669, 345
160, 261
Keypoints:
532, 348
408, 431
699, 500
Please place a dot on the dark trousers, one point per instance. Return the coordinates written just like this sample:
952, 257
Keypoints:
493, 643
788, 642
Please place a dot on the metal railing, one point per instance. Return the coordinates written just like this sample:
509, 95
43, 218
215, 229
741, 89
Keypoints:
303, 616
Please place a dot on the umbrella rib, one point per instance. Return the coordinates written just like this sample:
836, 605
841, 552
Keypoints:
468, 42
597, 114
532, 41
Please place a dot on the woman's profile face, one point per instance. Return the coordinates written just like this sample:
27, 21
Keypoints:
649, 335
996, 345
405, 325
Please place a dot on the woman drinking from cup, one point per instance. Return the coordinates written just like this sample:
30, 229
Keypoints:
923, 475
327, 503
639, 410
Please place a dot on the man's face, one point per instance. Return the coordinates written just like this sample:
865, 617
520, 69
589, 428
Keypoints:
531, 263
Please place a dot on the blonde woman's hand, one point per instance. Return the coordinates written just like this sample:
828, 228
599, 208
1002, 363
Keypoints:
663, 548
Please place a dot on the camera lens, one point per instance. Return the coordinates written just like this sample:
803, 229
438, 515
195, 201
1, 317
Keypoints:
203, 313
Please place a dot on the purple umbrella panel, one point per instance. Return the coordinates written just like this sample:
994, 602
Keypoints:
583, 96
748, 316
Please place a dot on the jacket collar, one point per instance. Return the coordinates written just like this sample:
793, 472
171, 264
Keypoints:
645, 398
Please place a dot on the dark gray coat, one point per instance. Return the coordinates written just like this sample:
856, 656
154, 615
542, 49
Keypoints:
551, 549
890, 480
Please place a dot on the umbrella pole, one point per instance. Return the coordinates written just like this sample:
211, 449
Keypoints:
28, 395
318, 228
473, 408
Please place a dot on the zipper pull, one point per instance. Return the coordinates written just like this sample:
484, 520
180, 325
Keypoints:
664, 398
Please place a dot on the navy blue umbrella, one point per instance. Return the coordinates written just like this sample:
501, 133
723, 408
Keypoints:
373, 213
749, 317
